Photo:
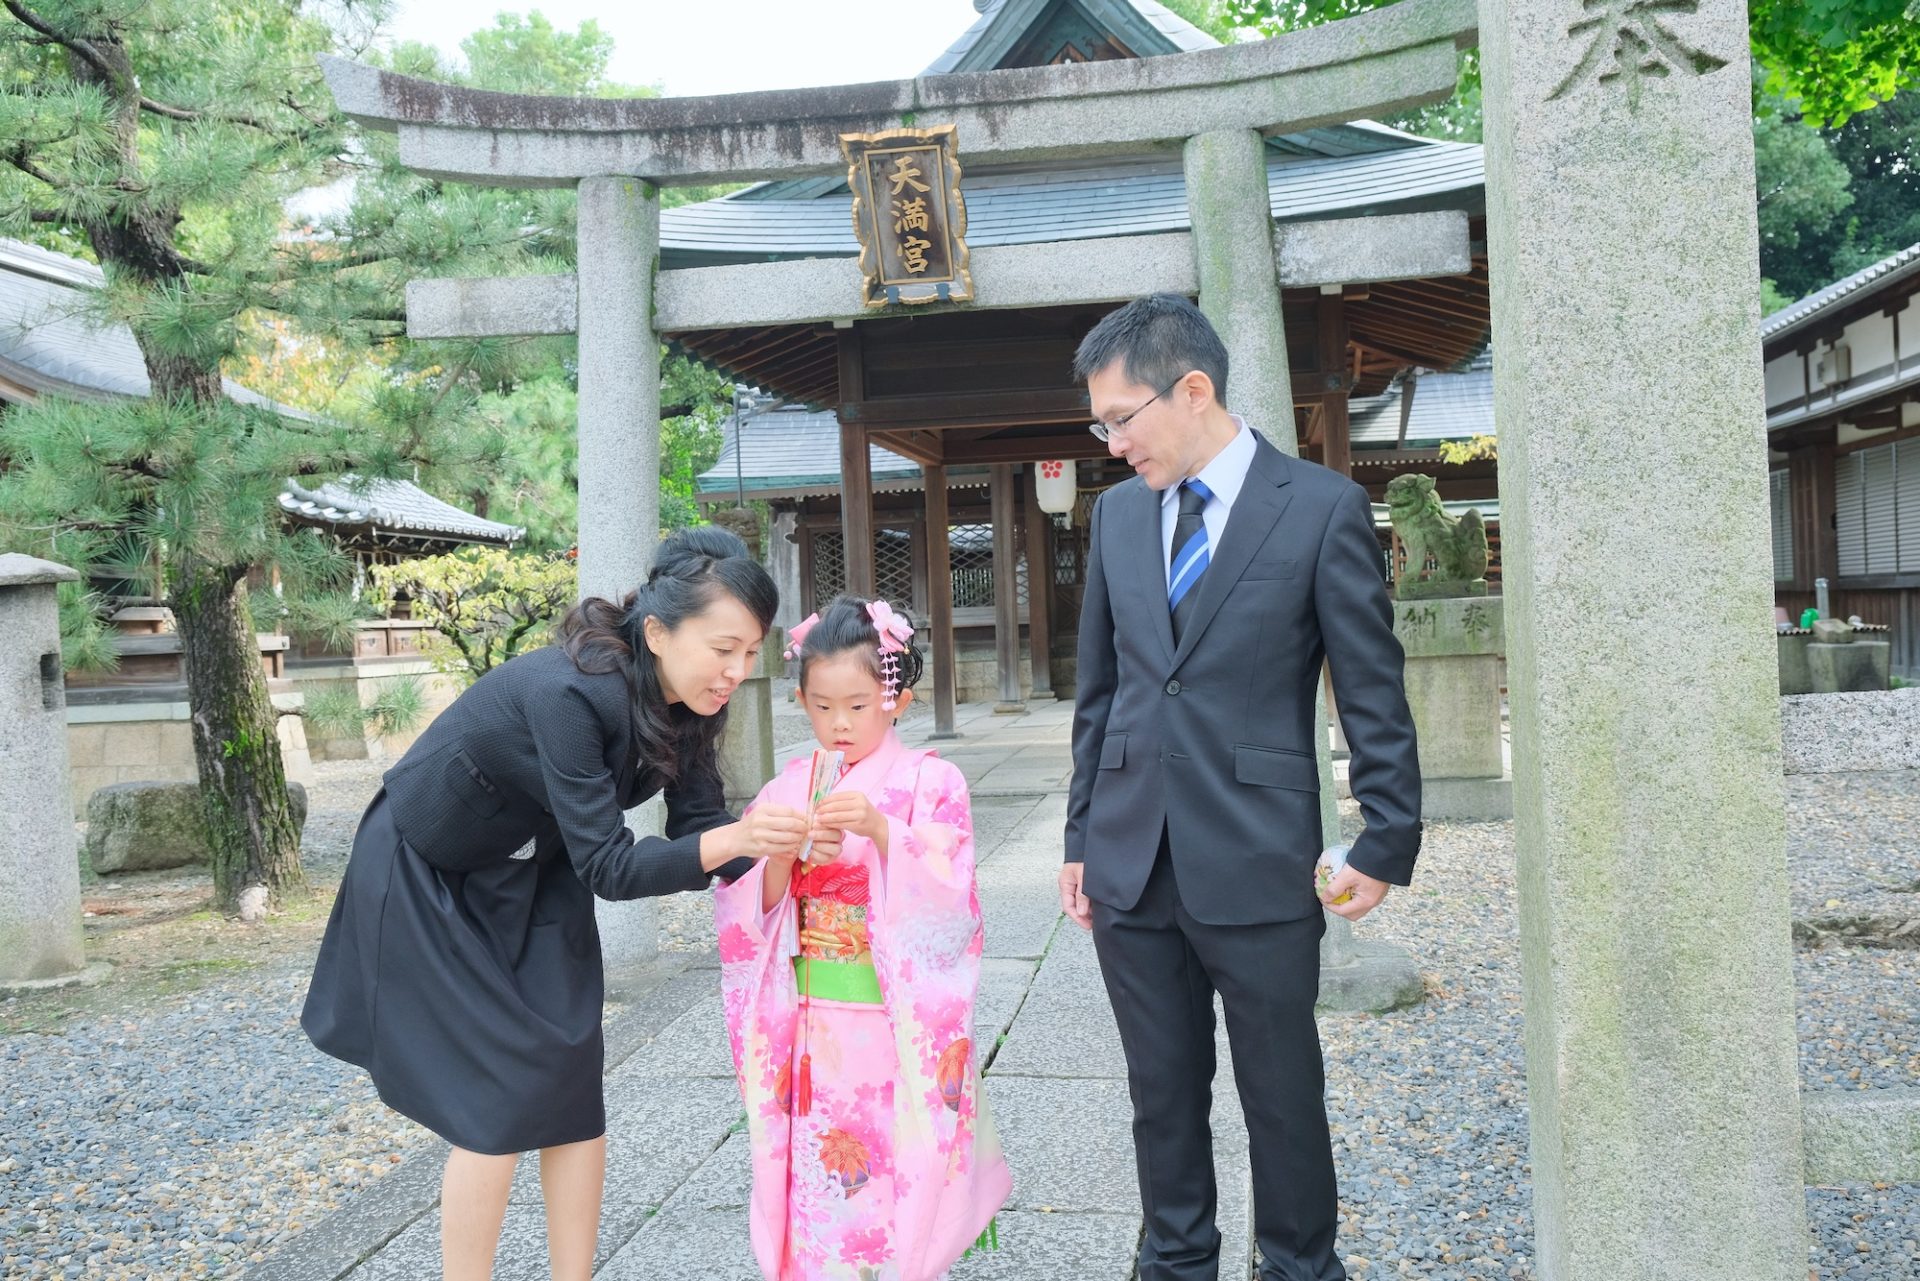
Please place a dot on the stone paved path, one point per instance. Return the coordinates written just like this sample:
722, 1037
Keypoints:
677, 1162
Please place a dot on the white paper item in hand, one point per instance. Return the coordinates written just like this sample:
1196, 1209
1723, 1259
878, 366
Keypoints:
826, 772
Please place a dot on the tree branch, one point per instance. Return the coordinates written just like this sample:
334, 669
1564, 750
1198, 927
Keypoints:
18, 158
86, 50
187, 114
75, 43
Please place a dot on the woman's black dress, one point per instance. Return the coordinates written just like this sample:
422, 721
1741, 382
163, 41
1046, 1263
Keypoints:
461, 965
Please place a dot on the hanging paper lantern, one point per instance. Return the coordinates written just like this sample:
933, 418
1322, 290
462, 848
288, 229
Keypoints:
1058, 485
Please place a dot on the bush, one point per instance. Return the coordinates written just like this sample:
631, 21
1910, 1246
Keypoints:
485, 604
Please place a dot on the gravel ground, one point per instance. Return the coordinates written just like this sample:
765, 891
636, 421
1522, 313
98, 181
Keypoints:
185, 1133
1428, 1105
1858, 837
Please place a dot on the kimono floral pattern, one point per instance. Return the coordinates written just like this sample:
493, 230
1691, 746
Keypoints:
895, 1168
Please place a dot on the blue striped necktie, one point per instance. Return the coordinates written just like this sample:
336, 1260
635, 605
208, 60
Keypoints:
1188, 563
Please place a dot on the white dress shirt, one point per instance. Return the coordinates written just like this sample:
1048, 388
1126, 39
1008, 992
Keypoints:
1223, 477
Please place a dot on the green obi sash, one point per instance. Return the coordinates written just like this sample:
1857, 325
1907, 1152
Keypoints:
854, 981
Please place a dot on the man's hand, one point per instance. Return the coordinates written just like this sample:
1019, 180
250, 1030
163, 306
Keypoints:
1072, 901
1367, 893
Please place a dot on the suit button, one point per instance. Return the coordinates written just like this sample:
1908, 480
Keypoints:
1173, 687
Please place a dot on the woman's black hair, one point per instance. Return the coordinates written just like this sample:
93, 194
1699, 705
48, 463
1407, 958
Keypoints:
845, 626
692, 569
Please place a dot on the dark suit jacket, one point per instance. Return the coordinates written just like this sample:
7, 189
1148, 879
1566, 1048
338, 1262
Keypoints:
1213, 741
536, 751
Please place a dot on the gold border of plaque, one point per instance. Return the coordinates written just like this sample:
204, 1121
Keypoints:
920, 218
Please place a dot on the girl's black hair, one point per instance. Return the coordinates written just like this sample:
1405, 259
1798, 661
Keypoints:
692, 569
845, 626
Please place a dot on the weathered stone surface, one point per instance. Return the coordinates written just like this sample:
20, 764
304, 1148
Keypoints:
39, 876
1392, 247
1233, 247
1380, 977
144, 827
746, 744
511, 305
1832, 733
1049, 274
1451, 627
1467, 800
1456, 715
1059, 1032
658, 1133
1659, 1004
619, 455
1850, 666
1065, 1152
1862, 1136
1377, 63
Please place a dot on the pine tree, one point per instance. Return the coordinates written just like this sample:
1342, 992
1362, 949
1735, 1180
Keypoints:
163, 136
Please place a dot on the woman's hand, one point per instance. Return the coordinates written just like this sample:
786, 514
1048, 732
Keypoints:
853, 812
770, 831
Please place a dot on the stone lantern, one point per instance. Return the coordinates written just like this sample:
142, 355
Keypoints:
40, 939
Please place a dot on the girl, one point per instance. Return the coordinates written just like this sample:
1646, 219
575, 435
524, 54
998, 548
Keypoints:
461, 966
849, 984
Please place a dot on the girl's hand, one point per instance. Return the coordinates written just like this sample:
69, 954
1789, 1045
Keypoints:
852, 812
826, 844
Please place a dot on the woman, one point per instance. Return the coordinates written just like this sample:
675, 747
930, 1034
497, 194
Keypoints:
461, 965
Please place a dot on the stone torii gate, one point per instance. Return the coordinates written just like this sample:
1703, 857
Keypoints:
1649, 807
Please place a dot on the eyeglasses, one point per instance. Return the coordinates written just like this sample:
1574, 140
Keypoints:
1107, 431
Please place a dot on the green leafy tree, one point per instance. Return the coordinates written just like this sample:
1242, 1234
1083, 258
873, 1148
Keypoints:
527, 393
161, 139
485, 604
1834, 58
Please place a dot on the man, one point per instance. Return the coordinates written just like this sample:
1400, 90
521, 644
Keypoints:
1220, 577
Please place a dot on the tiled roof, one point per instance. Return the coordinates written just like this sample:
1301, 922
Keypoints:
797, 451
1445, 407
1064, 203
1146, 27
392, 505
49, 344
792, 449
1886, 271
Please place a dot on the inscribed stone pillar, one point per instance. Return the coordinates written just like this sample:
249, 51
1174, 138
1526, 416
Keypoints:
1655, 949
1226, 175
40, 936
619, 458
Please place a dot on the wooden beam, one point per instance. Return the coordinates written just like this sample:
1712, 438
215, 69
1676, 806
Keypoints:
1039, 586
856, 478
1336, 450
912, 445
1006, 599
940, 599
1024, 449
972, 409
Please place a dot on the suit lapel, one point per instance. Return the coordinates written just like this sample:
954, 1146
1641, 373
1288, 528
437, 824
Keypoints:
1255, 512
1149, 566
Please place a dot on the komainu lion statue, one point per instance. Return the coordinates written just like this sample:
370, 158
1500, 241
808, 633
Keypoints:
1458, 548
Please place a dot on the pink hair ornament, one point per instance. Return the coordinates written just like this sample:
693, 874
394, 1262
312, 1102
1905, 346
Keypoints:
894, 632
797, 635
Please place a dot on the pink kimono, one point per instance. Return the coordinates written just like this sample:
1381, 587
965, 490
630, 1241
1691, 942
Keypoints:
892, 1168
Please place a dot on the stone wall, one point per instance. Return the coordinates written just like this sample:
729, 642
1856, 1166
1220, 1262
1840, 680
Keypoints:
142, 741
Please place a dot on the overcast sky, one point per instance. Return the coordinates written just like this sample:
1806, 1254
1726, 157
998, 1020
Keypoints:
687, 47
